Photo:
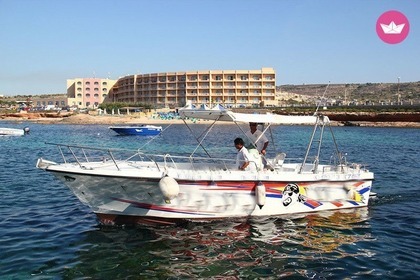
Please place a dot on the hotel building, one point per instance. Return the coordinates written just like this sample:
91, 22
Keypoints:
88, 92
231, 88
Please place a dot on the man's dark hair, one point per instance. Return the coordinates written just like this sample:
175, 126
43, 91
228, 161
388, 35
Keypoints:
239, 141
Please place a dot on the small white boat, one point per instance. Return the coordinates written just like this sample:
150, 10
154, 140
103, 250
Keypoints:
6, 131
143, 130
167, 188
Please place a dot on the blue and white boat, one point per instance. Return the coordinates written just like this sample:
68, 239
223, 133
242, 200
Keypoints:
124, 186
143, 130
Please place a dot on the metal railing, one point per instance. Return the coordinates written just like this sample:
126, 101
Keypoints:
84, 155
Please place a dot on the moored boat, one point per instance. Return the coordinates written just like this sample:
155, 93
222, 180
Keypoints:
6, 131
143, 130
169, 188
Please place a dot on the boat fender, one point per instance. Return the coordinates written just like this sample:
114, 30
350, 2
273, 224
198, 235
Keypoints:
260, 194
169, 188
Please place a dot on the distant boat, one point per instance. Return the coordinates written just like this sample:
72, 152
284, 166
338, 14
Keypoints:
6, 131
143, 130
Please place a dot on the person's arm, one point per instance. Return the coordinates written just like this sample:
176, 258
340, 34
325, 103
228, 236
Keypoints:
244, 166
263, 150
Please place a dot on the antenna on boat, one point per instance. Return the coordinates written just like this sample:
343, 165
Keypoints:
322, 98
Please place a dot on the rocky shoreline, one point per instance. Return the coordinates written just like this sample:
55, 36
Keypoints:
387, 119
391, 119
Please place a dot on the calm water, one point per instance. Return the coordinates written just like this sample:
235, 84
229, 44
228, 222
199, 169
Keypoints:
46, 233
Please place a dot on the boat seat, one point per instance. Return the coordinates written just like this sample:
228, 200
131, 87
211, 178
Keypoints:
278, 160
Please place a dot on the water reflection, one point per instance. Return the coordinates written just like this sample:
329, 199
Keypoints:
245, 248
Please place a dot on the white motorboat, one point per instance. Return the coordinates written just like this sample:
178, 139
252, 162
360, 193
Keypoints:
6, 131
167, 188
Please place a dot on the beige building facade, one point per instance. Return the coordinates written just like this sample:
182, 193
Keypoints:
88, 92
231, 88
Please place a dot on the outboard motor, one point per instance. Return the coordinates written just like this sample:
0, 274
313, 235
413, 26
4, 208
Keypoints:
26, 130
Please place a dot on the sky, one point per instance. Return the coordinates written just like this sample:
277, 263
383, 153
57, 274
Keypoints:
45, 42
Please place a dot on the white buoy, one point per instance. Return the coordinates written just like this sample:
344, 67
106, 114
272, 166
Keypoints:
169, 188
260, 194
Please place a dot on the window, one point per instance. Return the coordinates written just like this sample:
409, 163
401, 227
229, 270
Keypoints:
87, 95
104, 83
87, 83
87, 89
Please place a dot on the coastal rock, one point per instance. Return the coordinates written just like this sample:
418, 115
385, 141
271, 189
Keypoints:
374, 117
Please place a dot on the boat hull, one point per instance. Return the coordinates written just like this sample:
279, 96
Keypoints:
11, 131
141, 130
131, 200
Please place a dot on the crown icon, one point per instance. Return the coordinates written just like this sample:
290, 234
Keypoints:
392, 28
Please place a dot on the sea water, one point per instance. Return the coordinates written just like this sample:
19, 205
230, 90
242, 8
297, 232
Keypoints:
46, 233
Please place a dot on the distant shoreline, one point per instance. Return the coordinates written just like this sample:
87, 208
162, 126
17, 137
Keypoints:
337, 119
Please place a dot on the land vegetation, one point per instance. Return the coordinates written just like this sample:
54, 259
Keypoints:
352, 95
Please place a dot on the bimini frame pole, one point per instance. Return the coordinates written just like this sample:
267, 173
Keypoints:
205, 133
309, 146
319, 119
339, 154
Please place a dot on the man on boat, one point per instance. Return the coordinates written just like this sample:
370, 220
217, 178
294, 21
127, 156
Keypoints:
258, 139
243, 157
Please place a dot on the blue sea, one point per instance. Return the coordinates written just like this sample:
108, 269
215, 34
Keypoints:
46, 233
